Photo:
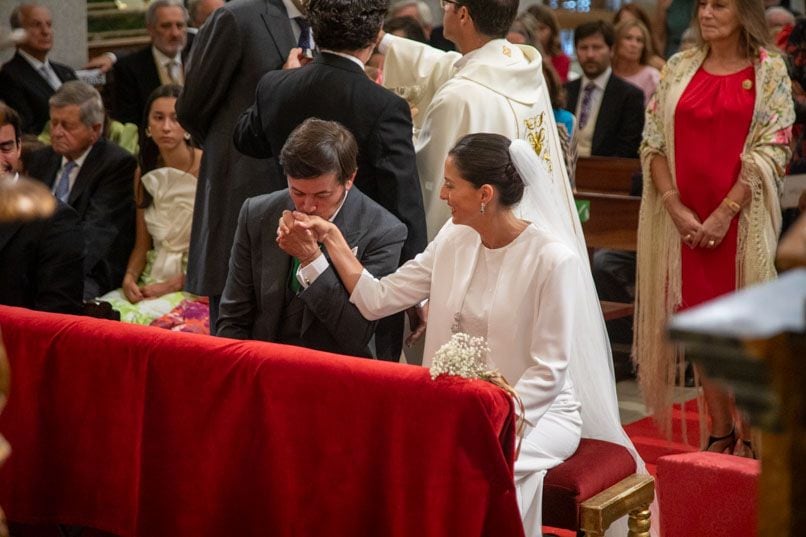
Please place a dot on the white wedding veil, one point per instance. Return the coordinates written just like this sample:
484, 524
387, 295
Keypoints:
548, 202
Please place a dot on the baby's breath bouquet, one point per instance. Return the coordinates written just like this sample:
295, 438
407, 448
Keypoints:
466, 356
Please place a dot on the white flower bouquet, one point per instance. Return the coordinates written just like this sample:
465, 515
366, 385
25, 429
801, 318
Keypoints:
466, 356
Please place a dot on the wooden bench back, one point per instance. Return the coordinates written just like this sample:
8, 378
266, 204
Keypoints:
613, 220
606, 174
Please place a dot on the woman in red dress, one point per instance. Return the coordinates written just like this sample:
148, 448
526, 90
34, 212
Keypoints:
715, 145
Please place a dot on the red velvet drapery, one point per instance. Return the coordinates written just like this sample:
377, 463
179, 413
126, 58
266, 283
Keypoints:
140, 431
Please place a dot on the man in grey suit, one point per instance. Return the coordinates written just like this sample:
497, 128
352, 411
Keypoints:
282, 288
238, 44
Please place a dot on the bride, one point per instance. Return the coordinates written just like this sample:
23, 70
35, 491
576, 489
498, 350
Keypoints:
521, 284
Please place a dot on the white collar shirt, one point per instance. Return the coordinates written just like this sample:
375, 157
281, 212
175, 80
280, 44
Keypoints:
162, 61
344, 55
44, 69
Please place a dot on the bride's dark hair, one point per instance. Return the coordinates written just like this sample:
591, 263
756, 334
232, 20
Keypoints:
484, 159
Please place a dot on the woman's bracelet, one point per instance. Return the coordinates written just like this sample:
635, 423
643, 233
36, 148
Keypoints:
668, 194
732, 205
133, 274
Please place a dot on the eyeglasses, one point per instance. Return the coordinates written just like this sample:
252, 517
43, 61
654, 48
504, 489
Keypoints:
446, 3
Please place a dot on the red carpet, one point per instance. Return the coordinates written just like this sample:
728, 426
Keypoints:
650, 442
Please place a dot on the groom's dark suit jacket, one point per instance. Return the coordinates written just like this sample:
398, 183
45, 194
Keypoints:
27, 92
257, 302
103, 197
620, 122
335, 88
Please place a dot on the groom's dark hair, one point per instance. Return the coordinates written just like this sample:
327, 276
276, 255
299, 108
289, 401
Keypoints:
346, 25
317, 147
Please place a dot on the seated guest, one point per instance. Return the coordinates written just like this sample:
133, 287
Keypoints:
162, 62
413, 9
284, 290
564, 119
95, 177
548, 34
634, 12
609, 110
29, 79
407, 27
524, 31
164, 194
41, 262
631, 57
518, 279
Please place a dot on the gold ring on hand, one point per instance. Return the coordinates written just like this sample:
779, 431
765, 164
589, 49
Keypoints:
712, 243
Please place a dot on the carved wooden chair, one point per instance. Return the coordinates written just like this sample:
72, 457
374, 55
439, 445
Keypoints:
594, 488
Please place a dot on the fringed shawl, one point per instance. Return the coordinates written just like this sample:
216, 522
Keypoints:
658, 287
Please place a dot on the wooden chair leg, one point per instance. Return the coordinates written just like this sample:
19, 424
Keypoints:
630, 496
639, 522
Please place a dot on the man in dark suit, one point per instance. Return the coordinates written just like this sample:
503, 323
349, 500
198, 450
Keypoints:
237, 45
609, 110
93, 176
29, 79
41, 263
162, 62
281, 287
335, 87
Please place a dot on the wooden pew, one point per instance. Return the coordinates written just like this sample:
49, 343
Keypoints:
605, 174
613, 221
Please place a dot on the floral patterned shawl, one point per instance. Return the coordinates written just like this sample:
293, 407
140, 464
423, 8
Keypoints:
766, 152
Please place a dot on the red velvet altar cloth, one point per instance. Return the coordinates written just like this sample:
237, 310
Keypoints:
141, 431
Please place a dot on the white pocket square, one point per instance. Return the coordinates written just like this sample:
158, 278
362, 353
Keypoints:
354, 249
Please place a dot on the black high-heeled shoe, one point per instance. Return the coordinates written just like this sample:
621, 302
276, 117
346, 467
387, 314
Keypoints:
716, 439
748, 446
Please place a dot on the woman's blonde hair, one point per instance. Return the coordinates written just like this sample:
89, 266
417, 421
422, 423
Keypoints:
753, 29
621, 30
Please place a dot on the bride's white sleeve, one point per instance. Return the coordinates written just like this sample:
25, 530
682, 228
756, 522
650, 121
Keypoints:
552, 337
409, 285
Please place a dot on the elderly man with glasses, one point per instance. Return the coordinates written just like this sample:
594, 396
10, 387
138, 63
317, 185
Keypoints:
491, 85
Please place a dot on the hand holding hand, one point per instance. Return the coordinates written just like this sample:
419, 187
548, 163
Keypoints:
130, 289
714, 228
296, 59
685, 220
418, 321
297, 241
317, 226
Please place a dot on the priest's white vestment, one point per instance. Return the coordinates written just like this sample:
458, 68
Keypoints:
498, 88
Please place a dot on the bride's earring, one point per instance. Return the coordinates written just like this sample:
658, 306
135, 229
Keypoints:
187, 136
483, 207
148, 132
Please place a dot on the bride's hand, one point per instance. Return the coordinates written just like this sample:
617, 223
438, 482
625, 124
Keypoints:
316, 225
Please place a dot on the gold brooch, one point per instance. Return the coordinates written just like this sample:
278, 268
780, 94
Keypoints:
507, 52
747, 84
